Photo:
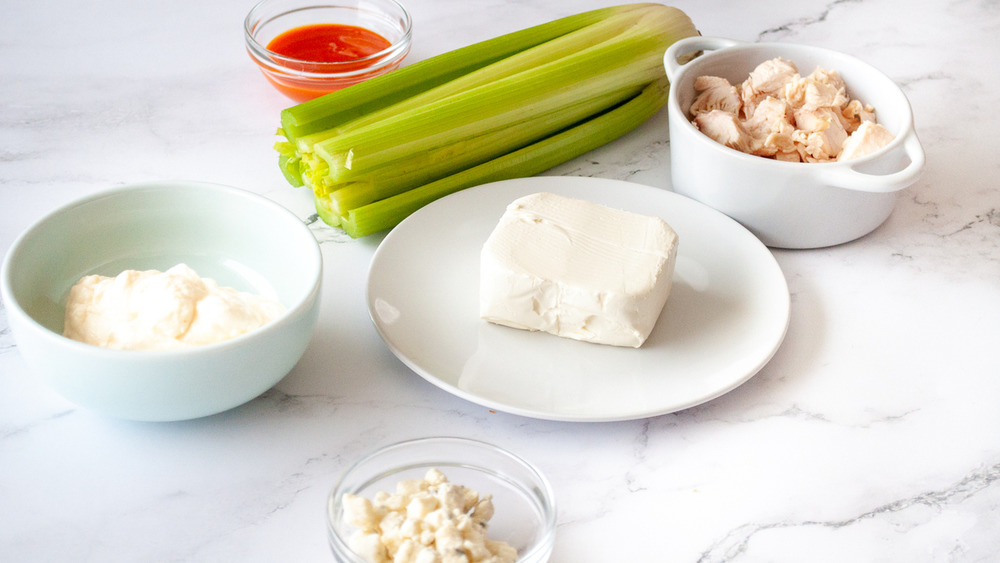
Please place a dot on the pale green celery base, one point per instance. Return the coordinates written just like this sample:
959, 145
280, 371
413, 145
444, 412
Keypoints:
325, 213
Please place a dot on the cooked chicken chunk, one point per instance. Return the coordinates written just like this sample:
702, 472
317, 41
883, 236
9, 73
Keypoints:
768, 79
855, 113
820, 133
770, 127
869, 138
725, 128
813, 92
715, 93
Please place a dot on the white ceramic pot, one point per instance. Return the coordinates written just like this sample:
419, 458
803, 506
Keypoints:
789, 204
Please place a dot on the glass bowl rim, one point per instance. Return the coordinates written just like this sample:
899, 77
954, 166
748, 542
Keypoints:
266, 57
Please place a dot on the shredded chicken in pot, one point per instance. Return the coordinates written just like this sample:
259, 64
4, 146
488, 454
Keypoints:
778, 113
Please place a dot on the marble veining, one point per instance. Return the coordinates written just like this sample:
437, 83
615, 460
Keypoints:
897, 514
873, 434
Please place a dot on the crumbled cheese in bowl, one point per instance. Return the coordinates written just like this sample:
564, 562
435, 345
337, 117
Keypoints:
153, 310
429, 520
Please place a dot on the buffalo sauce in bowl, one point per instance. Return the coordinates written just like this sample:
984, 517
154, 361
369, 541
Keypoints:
307, 50
329, 43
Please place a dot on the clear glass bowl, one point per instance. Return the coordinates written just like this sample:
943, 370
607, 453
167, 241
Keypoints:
525, 514
303, 80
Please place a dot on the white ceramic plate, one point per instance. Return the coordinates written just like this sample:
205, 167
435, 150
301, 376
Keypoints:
726, 315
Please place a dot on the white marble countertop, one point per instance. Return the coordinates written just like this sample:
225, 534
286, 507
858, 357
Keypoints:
872, 435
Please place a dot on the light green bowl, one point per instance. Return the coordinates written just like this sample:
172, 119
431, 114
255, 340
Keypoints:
237, 238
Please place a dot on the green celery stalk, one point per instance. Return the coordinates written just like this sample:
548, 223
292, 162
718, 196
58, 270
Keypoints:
361, 99
432, 79
632, 59
613, 26
426, 166
481, 111
528, 161
511, 106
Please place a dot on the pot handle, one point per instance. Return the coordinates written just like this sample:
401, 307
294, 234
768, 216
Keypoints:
850, 178
690, 45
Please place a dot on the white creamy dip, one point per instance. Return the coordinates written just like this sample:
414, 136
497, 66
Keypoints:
153, 310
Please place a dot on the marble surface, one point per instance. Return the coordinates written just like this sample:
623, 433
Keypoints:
872, 435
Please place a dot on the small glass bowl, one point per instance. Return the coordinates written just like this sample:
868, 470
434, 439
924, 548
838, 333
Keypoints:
525, 511
303, 80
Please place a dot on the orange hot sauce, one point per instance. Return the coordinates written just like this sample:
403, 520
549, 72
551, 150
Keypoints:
325, 43
328, 43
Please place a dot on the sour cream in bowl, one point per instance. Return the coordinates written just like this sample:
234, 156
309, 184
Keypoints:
233, 242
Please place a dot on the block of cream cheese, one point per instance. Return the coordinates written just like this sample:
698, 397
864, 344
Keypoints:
577, 269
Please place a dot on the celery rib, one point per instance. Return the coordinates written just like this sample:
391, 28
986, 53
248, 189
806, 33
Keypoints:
426, 166
628, 56
494, 107
528, 161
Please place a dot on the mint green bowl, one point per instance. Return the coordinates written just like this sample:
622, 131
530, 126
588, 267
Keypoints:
235, 237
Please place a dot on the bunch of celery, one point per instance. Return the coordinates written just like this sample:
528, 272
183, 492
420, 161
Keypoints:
508, 107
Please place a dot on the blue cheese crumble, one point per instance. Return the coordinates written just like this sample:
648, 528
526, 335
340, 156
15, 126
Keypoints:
427, 520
